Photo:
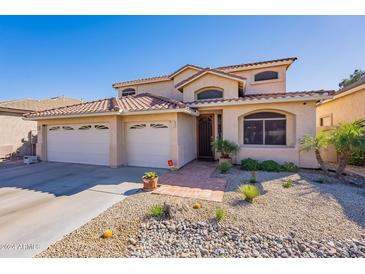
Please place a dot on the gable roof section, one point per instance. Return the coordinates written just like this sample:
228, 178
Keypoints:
187, 66
247, 66
35, 105
266, 97
127, 104
208, 71
238, 67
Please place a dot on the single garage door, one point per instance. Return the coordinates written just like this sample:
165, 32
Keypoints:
148, 144
85, 144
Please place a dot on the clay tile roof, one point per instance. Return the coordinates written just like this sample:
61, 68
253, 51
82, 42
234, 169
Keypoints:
36, 105
266, 96
184, 67
233, 67
141, 81
202, 72
353, 85
139, 102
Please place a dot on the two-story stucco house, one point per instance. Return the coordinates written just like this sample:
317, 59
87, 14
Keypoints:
176, 116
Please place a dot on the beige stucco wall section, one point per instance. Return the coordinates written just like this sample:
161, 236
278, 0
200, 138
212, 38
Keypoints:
269, 86
229, 86
345, 108
300, 121
15, 134
186, 138
165, 88
184, 74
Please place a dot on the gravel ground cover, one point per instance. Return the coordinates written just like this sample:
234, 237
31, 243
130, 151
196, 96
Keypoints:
314, 218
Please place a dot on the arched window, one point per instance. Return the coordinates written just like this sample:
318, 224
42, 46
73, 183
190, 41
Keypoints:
211, 93
128, 91
264, 128
266, 75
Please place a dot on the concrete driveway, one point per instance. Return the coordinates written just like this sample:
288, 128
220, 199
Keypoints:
41, 203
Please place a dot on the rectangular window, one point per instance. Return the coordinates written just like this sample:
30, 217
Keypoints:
264, 131
325, 121
219, 125
253, 132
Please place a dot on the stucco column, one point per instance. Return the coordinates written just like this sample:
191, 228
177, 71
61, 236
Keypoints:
115, 153
41, 146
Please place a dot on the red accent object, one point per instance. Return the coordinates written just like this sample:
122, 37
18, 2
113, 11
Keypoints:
170, 163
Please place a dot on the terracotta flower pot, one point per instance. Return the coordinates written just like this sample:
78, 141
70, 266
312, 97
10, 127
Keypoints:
225, 160
149, 184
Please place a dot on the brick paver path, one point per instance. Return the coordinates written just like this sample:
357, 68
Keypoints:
193, 181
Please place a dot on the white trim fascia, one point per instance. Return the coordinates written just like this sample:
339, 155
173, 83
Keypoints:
345, 93
181, 110
260, 101
211, 72
258, 66
121, 113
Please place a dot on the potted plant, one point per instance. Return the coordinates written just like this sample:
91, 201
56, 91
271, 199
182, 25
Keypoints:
226, 149
150, 180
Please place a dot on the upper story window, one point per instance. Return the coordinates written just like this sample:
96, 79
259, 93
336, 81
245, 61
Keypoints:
128, 91
266, 75
264, 128
211, 93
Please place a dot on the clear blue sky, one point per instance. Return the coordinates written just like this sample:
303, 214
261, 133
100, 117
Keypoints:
81, 56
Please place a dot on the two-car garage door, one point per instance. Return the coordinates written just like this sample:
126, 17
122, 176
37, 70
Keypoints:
147, 144
85, 144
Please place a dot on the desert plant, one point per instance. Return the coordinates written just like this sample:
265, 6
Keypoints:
219, 213
357, 158
347, 138
224, 147
288, 183
270, 166
157, 210
316, 143
290, 167
253, 178
150, 175
224, 167
249, 164
250, 192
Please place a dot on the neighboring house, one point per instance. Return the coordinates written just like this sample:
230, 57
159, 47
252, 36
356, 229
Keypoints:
176, 117
347, 105
18, 136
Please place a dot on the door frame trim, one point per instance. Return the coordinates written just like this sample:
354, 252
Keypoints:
198, 134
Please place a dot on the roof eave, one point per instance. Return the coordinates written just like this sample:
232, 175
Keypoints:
180, 70
251, 67
93, 114
121, 85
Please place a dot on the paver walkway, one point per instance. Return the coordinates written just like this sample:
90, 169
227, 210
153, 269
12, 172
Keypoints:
193, 181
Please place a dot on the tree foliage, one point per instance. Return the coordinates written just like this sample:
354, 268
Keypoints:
356, 76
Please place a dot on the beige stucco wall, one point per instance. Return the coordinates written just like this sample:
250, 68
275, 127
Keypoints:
186, 138
184, 74
165, 88
300, 121
230, 87
345, 108
269, 86
15, 134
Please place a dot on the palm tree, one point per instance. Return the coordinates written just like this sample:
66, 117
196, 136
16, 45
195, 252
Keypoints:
316, 143
347, 138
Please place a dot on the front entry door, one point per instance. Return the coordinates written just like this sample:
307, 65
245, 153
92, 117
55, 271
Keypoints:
205, 136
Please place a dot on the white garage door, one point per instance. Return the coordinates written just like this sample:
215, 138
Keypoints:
148, 144
85, 144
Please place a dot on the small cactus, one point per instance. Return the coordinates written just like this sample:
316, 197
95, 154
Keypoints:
197, 205
107, 234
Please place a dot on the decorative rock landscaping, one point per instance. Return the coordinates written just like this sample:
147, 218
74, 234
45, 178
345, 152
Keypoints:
211, 239
312, 218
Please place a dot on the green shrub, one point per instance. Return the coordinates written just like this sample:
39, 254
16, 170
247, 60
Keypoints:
225, 148
157, 210
357, 158
270, 166
219, 213
224, 167
250, 192
290, 167
249, 164
288, 183
253, 177
150, 175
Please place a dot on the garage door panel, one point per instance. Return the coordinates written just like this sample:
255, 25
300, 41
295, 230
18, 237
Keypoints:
147, 145
90, 146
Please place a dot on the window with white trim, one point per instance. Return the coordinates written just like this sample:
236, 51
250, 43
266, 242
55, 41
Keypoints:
67, 128
54, 128
158, 126
101, 127
211, 93
266, 75
264, 128
128, 91
138, 126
